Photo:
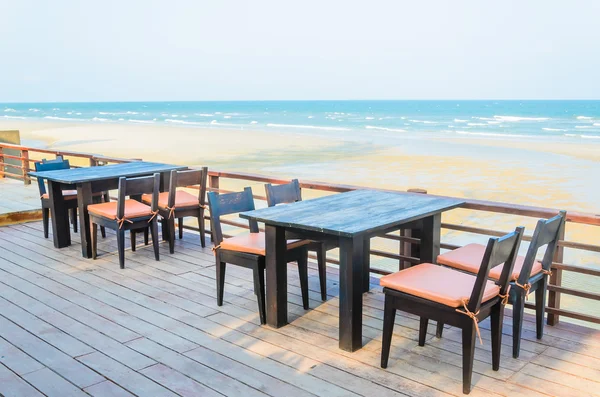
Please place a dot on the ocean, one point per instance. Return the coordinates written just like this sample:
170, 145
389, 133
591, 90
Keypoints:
547, 120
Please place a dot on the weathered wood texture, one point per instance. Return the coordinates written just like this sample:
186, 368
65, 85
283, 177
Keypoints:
71, 326
90, 174
353, 213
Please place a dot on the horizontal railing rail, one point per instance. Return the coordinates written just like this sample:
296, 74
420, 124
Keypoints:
404, 243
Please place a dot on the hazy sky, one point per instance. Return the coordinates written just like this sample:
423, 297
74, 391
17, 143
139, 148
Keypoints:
326, 49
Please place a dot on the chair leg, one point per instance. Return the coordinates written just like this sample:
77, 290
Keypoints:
171, 226
423, 330
180, 222
220, 281
540, 306
46, 220
322, 263
468, 340
259, 290
94, 239
439, 329
389, 316
146, 234
202, 228
518, 309
165, 229
103, 231
154, 231
303, 274
74, 219
132, 237
121, 247
496, 319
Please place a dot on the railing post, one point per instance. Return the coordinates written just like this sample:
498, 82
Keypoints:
25, 165
556, 279
406, 248
213, 181
93, 162
1, 165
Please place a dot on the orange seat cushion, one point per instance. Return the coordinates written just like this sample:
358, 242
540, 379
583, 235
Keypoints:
254, 243
67, 194
438, 284
133, 209
469, 257
182, 199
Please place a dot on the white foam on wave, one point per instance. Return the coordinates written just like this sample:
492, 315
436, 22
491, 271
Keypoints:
79, 114
460, 121
483, 118
34, 110
553, 129
141, 121
584, 118
493, 134
311, 127
584, 126
369, 118
106, 113
371, 127
423, 121
494, 122
15, 117
570, 134
55, 108
476, 124
590, 136
597, 124
61, 118
226, 117
184, 122
254, 122
9, 110
201, 114
99, 119
519, 118
129, 112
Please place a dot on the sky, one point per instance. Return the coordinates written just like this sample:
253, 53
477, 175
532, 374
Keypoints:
278, 50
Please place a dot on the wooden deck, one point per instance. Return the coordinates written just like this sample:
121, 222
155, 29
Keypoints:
17, 197
70, 326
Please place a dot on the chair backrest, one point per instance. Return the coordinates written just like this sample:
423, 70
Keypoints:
547, 232
499, 250
225, 204
49, 165
283, 194
188, 178
137, 187
59, 158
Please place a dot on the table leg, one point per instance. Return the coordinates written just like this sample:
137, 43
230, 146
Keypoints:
351, 289
84, 198
430, 238
366, 265
276, 247
60, 216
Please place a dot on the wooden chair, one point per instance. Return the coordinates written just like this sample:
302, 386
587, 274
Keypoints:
290, 193
127, 214
453, 297
528, 274
179, 204
248, 249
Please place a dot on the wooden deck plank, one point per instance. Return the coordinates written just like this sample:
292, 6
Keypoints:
52, 385
170, 317
12, 385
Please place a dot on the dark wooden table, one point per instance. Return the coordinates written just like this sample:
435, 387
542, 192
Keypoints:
353, 218
89, 180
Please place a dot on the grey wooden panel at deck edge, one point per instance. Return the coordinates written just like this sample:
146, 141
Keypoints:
353, 213
90, 174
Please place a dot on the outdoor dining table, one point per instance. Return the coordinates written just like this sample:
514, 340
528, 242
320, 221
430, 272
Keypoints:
353, 218
87, 181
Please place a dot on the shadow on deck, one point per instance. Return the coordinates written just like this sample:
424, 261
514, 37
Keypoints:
69, 325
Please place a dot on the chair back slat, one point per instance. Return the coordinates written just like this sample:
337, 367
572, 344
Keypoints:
226, 204
547, 232
137, 187
49, 165
283, 194
188, 178
501, 250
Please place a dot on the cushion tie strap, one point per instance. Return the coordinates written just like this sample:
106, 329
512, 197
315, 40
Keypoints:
171, 211
122, 220
505, 296
215, 248
154, 213
525, 287
547, 272
204, 206
473, 317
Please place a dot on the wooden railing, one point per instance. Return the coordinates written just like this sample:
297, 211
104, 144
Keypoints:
403, 242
